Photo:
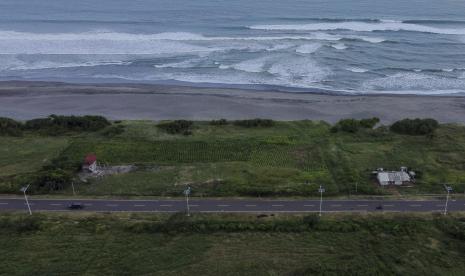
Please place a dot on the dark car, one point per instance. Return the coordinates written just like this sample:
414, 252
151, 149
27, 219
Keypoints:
75, 206
379, 207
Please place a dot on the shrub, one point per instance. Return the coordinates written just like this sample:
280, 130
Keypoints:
10, 127
353, 125
53, 179
113, 130
415, 126
369, 123
220, 122
177, 127
56, 123
254, 123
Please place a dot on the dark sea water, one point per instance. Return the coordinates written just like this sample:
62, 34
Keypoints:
368, 46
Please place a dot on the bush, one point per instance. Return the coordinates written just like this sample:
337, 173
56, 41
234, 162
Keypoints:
220, 122
53, 179
55, 123
353, 125
369, 123
415, 126
113, 131
177, 127
254, 123
10, 127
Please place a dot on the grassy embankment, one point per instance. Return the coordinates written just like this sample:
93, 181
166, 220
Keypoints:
78, 244
287, 159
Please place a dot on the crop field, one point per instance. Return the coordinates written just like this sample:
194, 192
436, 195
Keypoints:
287, 159
85, 244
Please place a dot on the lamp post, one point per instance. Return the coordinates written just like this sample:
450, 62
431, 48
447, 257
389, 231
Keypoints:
448, 189
24, 189
187, 192
321, 190
72, 185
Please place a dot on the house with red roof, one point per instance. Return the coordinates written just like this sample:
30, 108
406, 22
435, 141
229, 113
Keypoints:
90, 163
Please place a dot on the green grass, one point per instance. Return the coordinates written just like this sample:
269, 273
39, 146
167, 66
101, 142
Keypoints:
28, 154
288, 159
83, 244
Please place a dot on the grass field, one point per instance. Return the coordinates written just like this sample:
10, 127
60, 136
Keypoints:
288, 159
81, 244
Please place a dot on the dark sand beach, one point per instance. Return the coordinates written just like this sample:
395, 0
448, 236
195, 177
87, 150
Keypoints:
25, 100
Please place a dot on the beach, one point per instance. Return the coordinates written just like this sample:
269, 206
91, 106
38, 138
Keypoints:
27, 100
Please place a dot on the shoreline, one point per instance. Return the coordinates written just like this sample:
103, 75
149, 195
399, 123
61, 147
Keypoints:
31, 99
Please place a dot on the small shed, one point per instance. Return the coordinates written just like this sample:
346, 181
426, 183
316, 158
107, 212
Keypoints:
90, 163
393, 177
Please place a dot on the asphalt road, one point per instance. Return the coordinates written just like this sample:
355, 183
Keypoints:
232, 205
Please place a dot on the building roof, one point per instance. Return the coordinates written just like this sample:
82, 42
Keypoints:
393, 176
90, 159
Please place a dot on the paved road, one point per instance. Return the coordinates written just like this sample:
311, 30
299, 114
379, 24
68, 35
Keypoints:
232, 205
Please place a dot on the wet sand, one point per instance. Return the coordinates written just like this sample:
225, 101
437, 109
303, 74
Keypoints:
26, 100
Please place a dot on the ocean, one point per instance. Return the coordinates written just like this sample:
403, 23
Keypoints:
338, 46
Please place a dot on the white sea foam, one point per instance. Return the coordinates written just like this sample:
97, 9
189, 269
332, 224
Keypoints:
281, 46
367, 38
10, 62
183, 64
339, 46
298, 70
362, 27
308, 48
252, 65
357, 70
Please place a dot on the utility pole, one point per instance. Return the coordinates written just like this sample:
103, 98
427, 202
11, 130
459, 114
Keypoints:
72, 185
24, 189
448, 189
187, 192
321, 190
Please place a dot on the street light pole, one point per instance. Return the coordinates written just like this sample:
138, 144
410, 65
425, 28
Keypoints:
448, 189
187, 192
24, 189
72, 185
321, 190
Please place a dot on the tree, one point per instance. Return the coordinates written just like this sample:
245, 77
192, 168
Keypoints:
415, 126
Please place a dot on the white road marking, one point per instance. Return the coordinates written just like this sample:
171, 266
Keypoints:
3, 203
56, 204
222, 205
388, 205
193, 205
112, 205
362, 205
415, 205
166, 205
250, 205
277, 205
139, 205
309, 205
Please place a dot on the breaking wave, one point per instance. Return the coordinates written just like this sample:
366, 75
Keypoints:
362, 27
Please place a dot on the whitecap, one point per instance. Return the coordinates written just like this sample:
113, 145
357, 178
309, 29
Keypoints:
252, 65
361, 27
298, 70
357, 70
339, 46
308, 48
